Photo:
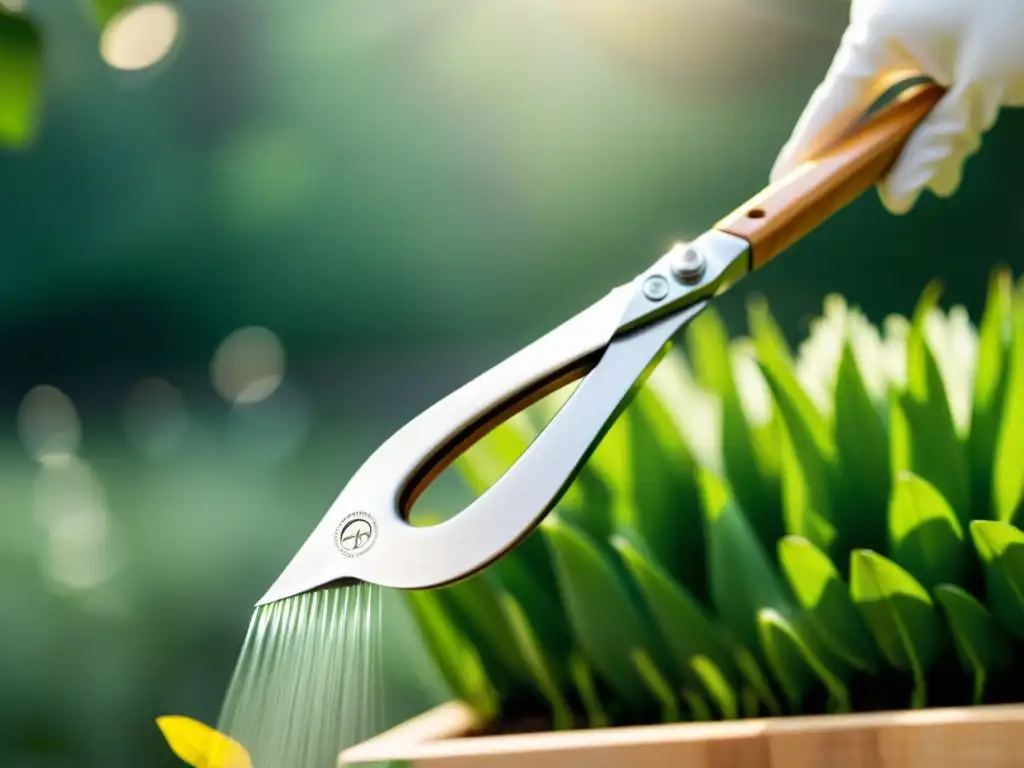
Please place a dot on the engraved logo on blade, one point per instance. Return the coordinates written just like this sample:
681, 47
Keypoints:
356, 534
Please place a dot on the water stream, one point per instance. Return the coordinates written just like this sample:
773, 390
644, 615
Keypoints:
309, 679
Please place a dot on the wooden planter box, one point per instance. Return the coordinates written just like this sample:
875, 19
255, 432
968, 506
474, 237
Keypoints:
976, 737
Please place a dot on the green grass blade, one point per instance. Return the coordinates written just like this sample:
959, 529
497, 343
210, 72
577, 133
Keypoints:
456, 658
742, 578
707, 342
820, 591
536, 658
802, 510
605, 620
924, 438
900, 614
990, 390
473, 605
700, 712
776, 361
714, 681
862, 458
757, 686
708, 345
688, 631
1001, 548
750, 703
665, 493
583, 678
925, 536
535, 596
795, 663
980, 644
1008, 483
21, 83
656, 684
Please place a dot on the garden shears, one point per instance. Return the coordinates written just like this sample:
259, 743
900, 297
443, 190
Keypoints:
610, 348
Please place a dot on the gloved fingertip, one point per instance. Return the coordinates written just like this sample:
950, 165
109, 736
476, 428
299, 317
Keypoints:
897, 204
947, 179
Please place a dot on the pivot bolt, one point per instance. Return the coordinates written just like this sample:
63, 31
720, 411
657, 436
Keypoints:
656, 288
688, 264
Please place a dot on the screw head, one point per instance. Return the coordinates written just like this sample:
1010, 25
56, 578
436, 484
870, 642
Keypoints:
656, 288
688, 264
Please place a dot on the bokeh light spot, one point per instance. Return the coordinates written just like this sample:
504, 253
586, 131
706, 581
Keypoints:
49, 425
70, 504
140, 36
248, 366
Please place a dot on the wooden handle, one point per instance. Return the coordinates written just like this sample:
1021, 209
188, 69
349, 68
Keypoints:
793, 206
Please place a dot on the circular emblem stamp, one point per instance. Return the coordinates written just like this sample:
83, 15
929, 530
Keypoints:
355, 534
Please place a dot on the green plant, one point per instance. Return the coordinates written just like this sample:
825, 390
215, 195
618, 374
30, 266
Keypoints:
764, 533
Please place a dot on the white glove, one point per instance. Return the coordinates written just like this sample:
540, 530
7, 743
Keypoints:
973, 48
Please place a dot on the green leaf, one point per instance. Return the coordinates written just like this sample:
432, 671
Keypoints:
804, 516
758, 690
742, 579
750, 703
820, 591
21, 65
691, 637
474, 607
1008, 483
900, 614
455, 657
534, 594
923, 436
795, 662
862, 456
925, 536
600, 609
665, 495
708, 345
980, 644
707, 342
715, 683
1001, 547
700, 712
656, 684
776, 362
537, 662
744, 583
990, 390
583, 678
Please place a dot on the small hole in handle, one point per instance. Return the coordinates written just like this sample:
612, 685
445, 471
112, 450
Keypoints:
755, 213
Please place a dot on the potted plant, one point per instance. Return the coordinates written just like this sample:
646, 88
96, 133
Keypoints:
770, 560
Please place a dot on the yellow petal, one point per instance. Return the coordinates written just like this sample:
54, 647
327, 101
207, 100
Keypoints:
201, 746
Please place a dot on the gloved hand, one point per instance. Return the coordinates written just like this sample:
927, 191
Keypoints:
973, 48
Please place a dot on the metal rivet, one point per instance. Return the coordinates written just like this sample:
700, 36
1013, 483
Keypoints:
688, 265
656, 288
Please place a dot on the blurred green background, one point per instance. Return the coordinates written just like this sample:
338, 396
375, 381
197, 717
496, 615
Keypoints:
249, 239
